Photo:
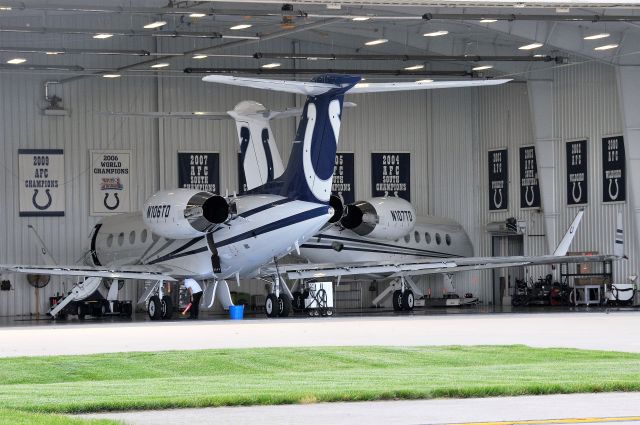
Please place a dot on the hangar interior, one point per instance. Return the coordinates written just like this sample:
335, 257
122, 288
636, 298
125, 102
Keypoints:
567, 89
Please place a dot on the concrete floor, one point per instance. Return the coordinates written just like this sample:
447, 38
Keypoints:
588, 330
565, 408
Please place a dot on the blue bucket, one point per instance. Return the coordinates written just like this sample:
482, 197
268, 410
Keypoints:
236, 312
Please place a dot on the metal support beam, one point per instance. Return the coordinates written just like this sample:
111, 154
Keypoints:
629, 95
542, 114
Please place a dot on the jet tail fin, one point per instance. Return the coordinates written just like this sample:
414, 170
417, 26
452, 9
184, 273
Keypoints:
48, 258
618, 243
260, 161
565, 243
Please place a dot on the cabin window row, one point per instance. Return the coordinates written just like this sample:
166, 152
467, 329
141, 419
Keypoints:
427, 238
120, 238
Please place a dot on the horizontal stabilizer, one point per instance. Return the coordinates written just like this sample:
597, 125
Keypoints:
184, 115
307, 88
565, 243
387, 87
311, 88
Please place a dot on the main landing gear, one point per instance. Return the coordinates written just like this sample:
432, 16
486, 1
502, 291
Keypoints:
403, 301
278, 301
159, 305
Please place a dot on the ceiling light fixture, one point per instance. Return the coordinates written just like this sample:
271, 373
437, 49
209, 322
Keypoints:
488, 21
435, 33
5, 8
360, 18
199, 113
199, 56
482, 67
362, 85
530, 46
156, 24
606, 47
16, 61
597, 36
414, 67
271, 65
197, 15
376, 42
160, 65
538, 56
240, 27
103, 36
53, 53
111, 76
424, 81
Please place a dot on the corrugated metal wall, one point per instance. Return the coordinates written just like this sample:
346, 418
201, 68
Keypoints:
447, 132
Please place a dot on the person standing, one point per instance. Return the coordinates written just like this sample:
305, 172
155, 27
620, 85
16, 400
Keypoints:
195, 293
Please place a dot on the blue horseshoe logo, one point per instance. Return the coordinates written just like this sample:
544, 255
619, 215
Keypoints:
35, 203
111, 207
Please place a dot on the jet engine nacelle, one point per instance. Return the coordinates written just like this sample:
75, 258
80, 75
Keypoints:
383, 218
185, 213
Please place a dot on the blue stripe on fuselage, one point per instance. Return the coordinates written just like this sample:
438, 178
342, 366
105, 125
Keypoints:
382, 244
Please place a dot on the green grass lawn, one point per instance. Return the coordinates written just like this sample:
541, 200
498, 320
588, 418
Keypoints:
70, 384
14, 417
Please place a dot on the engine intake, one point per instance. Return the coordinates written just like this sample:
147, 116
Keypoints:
384, 218
185, 213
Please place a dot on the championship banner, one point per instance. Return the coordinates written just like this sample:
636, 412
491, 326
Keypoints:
111, 182
577, 184
343, 178
498, 180
41, 174
529, 187
391, 175
614, 176
199, 170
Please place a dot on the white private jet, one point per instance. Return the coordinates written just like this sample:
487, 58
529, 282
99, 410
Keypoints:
383, 237
190, 233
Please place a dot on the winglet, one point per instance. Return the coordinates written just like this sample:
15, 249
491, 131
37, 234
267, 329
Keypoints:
564, 244
618, 244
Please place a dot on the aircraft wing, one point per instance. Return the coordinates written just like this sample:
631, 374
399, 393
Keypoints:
424, 267
453, 265
123, 272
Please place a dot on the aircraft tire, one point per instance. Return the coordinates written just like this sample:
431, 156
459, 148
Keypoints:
167, 307
284, 306
271, 305
155, 308
397, 300
408, 300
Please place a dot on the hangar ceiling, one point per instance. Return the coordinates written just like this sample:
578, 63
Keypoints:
414, 39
